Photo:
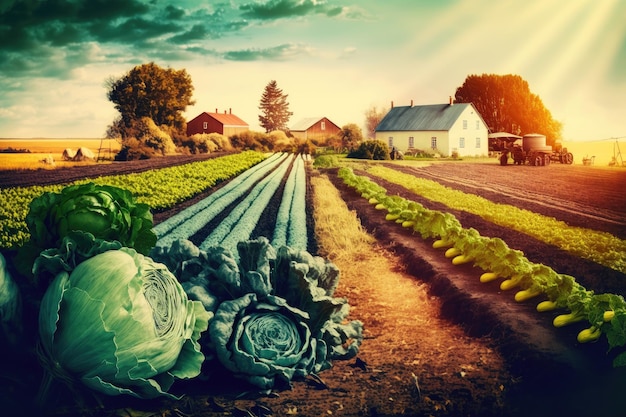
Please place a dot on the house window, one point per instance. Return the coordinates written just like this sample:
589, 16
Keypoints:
411, 142
464, 124
478, 142
205, 125
461, 142
390, 141
323, 125
477, 124
433, 142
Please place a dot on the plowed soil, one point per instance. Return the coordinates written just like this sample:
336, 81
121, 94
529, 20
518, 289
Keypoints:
438, 342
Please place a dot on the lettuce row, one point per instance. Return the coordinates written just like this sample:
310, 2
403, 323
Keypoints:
494, 255
275, 316
600, 247
185, 223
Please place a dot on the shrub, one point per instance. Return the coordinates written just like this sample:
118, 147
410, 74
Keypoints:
326, 161
371, 149
145, 139
251, 140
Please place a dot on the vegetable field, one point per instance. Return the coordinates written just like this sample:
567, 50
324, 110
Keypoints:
490, 245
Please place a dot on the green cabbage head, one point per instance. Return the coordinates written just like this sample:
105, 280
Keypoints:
264, 342
121, 324
107, 212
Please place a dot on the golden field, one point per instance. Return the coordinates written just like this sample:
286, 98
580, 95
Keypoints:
603, 150
40, 149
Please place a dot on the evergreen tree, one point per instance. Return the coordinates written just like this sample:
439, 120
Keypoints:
274, 108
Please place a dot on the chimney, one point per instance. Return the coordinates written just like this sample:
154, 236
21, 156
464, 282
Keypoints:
230, 110
411, 103
451, 100
392, 104
216, 110
224, 111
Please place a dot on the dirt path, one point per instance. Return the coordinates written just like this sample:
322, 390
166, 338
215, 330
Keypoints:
550, 366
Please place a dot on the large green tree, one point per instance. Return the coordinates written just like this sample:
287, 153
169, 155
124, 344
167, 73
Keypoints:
506, 104
274, 108
151, 91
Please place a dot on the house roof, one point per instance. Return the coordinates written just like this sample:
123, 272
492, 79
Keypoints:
226, 119
426, 117
306, 123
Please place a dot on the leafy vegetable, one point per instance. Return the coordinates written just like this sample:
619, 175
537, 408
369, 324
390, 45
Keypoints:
286, 291
10, 307
264, 342
107, 212
121, 324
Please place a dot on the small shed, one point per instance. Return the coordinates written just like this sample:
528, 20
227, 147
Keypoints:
80, 154
226, 124
84, 153
314, 128
68, 154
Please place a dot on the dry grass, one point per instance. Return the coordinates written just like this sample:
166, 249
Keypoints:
338, 230
40, 149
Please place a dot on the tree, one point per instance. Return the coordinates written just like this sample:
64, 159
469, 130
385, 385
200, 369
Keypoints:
351, 135
373, 116
506, 104
150, 91
274, 108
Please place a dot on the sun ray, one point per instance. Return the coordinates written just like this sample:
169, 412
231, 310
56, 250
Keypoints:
572, 58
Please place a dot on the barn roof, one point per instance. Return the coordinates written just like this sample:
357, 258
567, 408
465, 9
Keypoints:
306, 123
425, 117
226, 119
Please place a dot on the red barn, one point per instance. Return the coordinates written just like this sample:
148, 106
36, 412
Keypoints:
226, 124
314, 128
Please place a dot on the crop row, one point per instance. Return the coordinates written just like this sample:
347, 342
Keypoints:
252, 192
600, 247
160, 189
605, 313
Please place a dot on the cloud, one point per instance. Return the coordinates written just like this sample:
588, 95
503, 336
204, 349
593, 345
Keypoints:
279, 9
277, 53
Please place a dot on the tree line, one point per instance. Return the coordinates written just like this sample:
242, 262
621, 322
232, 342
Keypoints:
151, 101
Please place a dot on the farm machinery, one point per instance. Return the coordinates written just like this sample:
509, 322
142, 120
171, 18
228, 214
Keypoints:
531, 149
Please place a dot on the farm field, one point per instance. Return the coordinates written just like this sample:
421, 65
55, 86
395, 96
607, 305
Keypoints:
40, 149
438, 342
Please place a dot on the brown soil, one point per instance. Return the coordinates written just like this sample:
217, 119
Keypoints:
438, 342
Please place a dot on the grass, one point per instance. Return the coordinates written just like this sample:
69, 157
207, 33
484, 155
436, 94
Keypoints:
338, 231
40, 149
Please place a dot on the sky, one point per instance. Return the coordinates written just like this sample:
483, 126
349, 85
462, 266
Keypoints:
333, 58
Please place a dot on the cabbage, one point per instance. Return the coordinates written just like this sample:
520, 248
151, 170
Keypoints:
107, 212
10, 307
263, 342
121, 324
276, 317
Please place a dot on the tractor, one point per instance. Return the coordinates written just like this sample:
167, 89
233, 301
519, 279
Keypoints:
532, 149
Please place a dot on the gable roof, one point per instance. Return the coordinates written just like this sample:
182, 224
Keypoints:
306, 123
427, 117
226, 119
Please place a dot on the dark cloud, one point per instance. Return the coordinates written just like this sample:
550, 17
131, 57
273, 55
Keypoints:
41, 37
278, 9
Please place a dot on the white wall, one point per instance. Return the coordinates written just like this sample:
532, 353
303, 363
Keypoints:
474, 134
421, 140
470, 139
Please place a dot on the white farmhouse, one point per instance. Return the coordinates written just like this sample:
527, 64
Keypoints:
441, 129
